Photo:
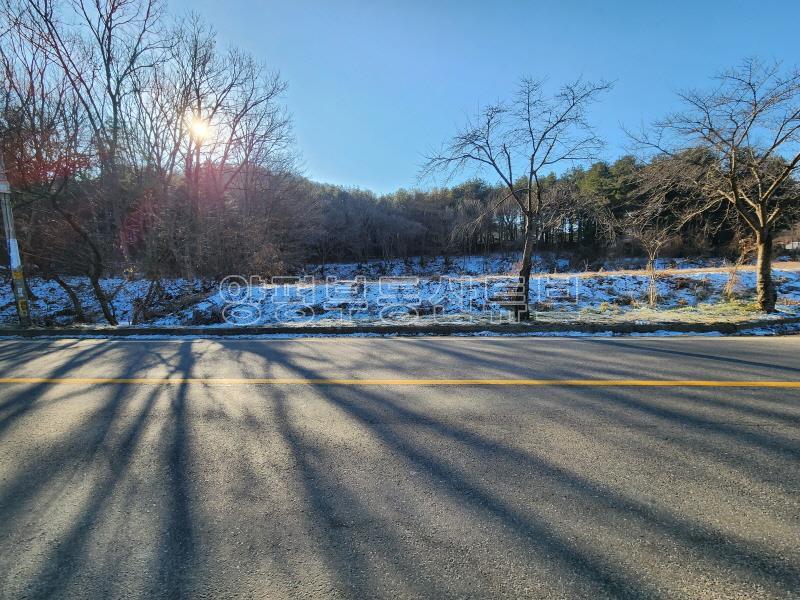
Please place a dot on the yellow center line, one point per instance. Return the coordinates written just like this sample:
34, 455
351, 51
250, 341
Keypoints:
399, 382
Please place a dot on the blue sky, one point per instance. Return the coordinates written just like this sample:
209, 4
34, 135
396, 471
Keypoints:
374, 85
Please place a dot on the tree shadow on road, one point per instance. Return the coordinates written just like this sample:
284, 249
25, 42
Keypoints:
100, 449
395, 493
381, 415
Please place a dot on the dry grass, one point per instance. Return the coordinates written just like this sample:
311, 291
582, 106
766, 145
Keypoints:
729, 311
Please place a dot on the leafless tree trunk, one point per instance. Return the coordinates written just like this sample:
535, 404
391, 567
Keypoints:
766, 293
96, 263
77, 306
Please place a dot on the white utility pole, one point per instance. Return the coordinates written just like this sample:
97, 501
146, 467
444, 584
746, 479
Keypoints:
15, 260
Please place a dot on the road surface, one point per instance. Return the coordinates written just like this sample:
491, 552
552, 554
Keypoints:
338, 468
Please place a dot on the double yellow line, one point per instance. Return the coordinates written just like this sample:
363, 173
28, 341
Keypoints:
399, 382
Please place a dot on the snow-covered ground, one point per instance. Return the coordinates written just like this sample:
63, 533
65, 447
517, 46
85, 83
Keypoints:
472, 291
488, 264
693, 297
428, 267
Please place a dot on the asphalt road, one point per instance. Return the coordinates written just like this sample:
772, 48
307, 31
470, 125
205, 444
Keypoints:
214, 489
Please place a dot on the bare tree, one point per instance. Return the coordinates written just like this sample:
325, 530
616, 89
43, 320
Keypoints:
239, 132
739, 145
228, 106
100, 47
41, 125
46, 146
520, 142
652, 226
